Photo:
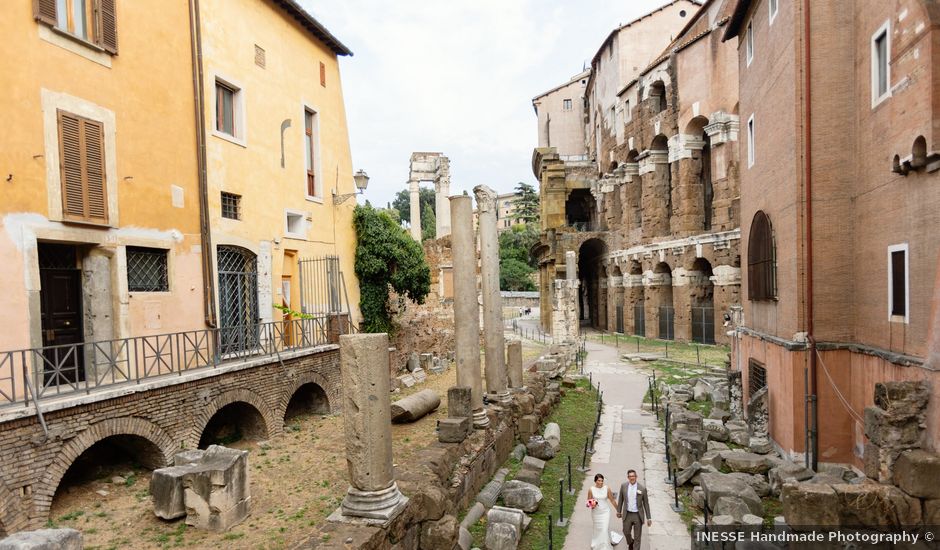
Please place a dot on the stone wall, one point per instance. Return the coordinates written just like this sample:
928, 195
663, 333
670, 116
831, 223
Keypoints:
167, 418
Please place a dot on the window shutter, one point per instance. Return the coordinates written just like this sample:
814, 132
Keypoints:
107, 19
44, 11
95, 186
70, 161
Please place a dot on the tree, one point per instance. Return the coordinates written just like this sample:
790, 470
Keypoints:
527, 205
402, 202
516, 243
386, 256
515, 275
428, 223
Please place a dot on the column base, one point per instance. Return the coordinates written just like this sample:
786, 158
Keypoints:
504, 398
480, 419
380, 505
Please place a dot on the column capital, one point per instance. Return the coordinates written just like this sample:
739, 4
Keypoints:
486, 199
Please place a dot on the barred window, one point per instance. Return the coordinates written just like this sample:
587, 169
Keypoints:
147, 270
761, 261
756, 377
231, 206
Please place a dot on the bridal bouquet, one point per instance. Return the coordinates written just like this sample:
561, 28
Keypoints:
591, 503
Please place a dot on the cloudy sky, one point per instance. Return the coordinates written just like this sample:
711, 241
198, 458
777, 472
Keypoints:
458, 76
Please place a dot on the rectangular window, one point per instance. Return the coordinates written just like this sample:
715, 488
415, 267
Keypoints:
82, 169
147, 270
231, 206
880, 76
225, 108
310, 151
93, 21
756, 377
749, 44
613, 117
750, 141
627, 113
566, 104
773, 9
294, 224
898, 283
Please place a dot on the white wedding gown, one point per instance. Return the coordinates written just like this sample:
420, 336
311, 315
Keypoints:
600, 540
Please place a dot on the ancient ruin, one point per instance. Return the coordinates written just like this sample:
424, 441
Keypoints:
433, 167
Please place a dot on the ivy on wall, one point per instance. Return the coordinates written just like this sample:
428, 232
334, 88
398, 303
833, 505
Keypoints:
386, 257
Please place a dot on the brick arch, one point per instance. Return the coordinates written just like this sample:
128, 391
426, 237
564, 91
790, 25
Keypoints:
272, 423
93, 434
308, 378
12, 517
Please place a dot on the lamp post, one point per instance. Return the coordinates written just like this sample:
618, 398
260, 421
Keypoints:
362, 181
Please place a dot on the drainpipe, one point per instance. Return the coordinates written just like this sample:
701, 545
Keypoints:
808, 179
208, 281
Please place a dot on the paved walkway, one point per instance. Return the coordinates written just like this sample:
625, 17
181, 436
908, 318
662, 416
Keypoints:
619, 447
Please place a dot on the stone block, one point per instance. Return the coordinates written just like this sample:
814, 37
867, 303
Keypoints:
917, 473
192, 456
720, 485
407, 380
931, 512
716, 446
504, 514
731, 506
761, 445
419, 375
464, 539
876, 505
680, 418
719, 414
685, 475
715, 429
166, 491
698, 497
756, 481
518, 452
891, 429
216, 491
43, 539
686, 446
806, 504
784, 472
441, 533
749, 463
501, 536
529, 476
533, 463
427, 361
552, 434
413, 362
539, 447
522, 495
459, 402
528, 425
453, 430
904, 397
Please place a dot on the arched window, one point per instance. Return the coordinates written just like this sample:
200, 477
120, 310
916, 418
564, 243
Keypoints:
658, 94
761, 265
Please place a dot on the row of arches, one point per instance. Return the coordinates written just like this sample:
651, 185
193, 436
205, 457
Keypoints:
236, 415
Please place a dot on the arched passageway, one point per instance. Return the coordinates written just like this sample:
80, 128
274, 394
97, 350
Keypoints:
702, 298
309, 398
593, 302
234, 422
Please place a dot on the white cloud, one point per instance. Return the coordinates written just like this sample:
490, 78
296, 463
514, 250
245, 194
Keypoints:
458, 77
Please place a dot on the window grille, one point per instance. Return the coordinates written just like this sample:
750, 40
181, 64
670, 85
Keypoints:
761, 261
757, 377
147, 270
231, 206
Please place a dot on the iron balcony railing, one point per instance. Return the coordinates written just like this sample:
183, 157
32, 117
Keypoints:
34, 374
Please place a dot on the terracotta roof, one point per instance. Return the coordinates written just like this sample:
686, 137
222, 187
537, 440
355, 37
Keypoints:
315, 27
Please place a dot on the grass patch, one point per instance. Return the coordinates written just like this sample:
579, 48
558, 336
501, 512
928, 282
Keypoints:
772, 509
688, 352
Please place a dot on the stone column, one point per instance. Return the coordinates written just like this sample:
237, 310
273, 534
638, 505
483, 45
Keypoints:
493, 340
514, 363
415, 210
571, 265
372, 492
466, 306
441, 201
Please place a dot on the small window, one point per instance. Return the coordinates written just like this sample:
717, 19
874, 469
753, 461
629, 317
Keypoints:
613, 117
147, 270
322, 74
749, 44
260, 57
92, 21
772, 4
231, 206
627, 113
566, 104
898, 283
294, 225
756, 377
880, 75
310, 152
225, 97
750, 141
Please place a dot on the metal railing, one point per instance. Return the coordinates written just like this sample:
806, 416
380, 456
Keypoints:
33, 374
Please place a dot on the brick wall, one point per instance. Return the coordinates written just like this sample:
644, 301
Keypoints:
169, 418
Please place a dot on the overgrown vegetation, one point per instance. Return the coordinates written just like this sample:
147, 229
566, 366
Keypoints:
515, 263
402, 204
386, 257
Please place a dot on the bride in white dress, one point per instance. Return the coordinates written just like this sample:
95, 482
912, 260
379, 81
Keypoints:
600, 539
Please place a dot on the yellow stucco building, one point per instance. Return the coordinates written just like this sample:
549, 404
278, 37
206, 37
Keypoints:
165, 168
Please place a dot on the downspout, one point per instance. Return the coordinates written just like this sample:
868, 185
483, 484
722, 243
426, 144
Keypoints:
808, 179
208, 281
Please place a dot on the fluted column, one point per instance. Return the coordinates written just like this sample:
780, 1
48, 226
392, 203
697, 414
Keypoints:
466, 306
494, 343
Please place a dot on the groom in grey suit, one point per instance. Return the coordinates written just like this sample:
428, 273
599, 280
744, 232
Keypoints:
633, 506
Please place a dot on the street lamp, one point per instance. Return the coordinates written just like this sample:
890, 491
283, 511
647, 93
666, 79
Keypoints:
362, 181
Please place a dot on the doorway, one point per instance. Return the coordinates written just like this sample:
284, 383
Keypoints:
60, 299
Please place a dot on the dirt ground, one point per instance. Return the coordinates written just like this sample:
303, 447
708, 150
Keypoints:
297, 480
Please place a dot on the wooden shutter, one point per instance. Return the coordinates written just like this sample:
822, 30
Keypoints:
107, 25
84, 183
44, 11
